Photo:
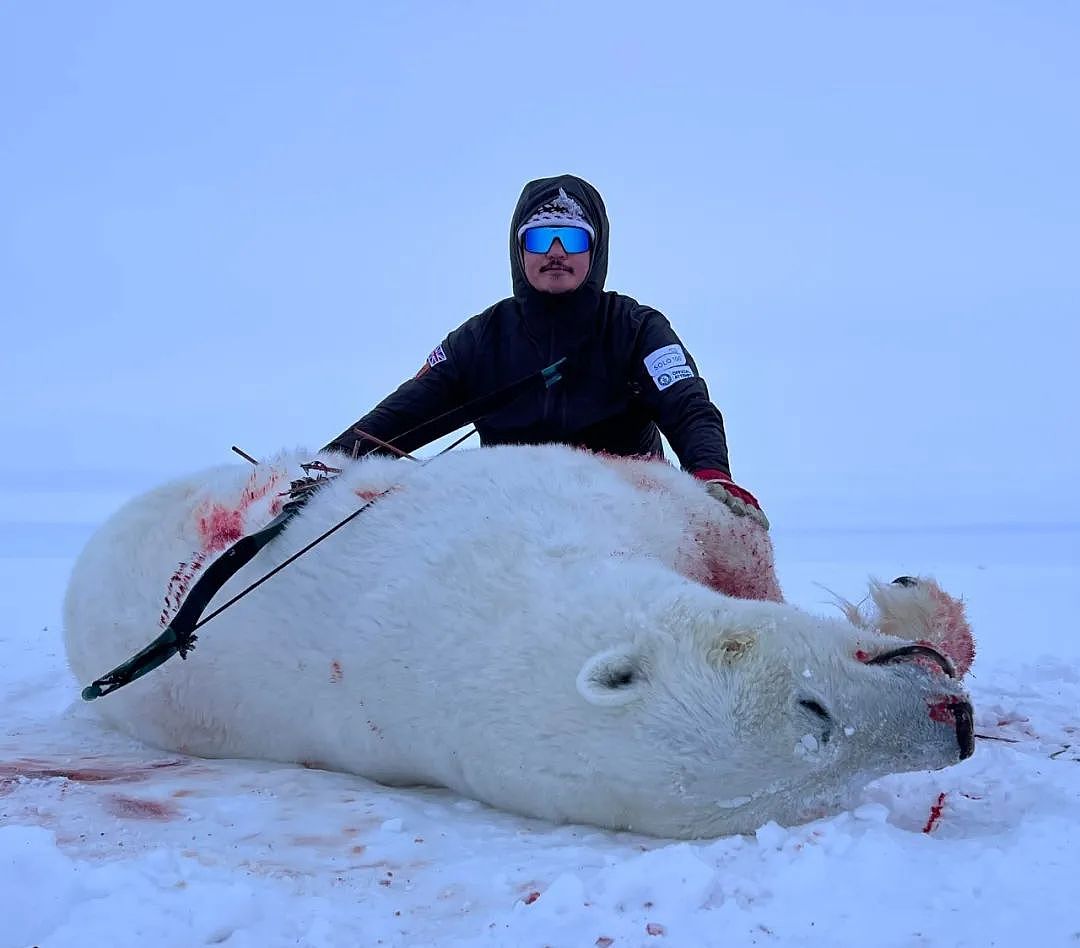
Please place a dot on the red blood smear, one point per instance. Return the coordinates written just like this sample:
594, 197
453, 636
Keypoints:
131, 808
531, 897
254, 491
220, 527
956, 639
335, 672
942, 712
861, 656
735, 561
935, 814
179, 583
644, 482
27, 769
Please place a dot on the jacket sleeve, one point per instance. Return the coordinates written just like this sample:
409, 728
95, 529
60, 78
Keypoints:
667, 379
410, 417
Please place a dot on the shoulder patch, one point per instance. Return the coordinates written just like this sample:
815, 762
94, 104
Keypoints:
438, 355
669, 378
667, 365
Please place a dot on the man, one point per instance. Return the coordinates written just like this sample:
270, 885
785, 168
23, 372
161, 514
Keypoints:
627, 376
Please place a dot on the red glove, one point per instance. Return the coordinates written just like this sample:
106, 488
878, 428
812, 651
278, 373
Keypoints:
737, 499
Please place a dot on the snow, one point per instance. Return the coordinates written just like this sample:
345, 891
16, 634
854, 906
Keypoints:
103, 840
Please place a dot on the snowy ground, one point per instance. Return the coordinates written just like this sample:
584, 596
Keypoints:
104, 841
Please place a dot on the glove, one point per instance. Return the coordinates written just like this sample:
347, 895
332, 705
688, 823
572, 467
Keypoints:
737, 499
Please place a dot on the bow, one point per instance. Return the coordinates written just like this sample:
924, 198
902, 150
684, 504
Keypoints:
178, 637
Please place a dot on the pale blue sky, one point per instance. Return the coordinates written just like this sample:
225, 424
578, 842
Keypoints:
246, 222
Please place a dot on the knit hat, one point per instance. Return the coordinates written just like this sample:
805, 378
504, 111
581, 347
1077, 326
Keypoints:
561, 211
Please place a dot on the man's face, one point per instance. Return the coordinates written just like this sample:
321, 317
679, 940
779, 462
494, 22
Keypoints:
555, 271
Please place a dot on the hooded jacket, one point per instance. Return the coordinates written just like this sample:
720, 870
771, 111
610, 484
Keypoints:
628, 376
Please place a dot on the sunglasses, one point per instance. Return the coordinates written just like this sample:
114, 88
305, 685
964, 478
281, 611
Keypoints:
540, 239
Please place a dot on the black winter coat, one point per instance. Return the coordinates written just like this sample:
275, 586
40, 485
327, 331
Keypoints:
628, 376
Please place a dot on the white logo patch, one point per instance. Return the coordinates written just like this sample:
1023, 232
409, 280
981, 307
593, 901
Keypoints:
668, 366
669, 378
663, 359
436, 357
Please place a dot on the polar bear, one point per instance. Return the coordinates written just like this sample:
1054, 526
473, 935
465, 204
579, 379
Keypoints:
556, 634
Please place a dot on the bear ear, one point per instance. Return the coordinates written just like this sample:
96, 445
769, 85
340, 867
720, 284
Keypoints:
613, 677
726, 650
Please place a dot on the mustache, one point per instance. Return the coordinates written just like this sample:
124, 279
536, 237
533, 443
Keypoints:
555, 265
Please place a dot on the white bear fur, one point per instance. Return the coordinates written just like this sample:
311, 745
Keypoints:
509, 623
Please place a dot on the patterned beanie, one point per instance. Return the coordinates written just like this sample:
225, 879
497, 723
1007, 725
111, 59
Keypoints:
561, 211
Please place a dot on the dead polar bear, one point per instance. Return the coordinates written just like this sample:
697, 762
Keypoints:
518, 624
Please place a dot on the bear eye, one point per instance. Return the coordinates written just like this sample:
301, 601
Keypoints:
815, 707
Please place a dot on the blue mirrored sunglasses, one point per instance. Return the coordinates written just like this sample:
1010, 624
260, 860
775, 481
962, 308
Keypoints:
540, 239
